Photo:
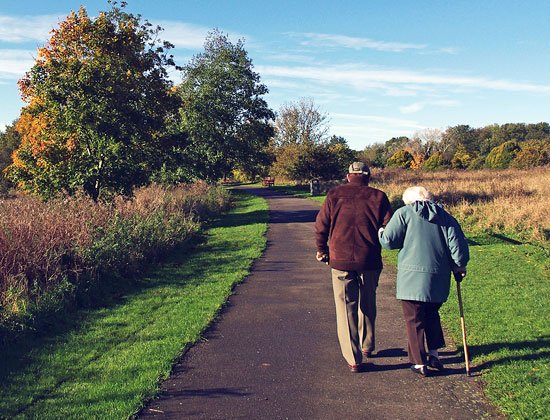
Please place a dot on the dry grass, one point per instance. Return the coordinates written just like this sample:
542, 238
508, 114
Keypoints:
513, 202
43, 245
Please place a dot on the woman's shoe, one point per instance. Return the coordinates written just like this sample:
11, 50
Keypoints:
422, 370
435, 363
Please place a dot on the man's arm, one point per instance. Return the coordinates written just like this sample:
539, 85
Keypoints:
322, 227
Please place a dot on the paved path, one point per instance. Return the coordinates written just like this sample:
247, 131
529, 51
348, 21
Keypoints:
273, 354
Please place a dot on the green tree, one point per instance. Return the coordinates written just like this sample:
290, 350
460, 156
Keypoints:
301, 122
98, 98
301, 148
374, 155
9, 142
435, 162
461, 158
532, 154
501, 156
223, 111
460, 134
341, 154
400, 159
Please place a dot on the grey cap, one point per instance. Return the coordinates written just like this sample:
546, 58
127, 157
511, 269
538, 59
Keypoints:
359, 168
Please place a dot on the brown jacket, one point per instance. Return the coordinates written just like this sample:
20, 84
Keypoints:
348, 222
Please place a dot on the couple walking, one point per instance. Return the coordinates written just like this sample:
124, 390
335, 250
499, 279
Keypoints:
354, 223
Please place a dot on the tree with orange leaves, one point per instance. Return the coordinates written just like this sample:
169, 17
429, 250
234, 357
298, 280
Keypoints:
98, 100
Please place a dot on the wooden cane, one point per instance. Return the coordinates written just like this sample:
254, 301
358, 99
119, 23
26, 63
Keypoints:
462, 324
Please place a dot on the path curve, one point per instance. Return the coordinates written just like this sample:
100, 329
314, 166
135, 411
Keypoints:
274, 354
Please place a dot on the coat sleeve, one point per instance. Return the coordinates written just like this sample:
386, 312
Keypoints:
386, 210
393, 236
458, 245
322, 227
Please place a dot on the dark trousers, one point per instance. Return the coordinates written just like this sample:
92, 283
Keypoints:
423, 324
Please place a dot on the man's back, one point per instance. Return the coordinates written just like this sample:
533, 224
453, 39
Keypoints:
349, 221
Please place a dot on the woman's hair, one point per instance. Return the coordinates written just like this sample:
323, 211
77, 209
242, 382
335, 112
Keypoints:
416, 193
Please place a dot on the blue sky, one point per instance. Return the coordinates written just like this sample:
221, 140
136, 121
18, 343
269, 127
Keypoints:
379, 69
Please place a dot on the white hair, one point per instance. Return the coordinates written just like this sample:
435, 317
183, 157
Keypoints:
416, 193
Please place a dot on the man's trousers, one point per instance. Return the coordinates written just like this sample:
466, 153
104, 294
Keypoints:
423, 323
355, 300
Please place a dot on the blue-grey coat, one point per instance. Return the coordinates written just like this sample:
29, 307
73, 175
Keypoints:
431, 245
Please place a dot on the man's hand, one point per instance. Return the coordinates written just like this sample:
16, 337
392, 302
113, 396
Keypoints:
459, 273
322, 257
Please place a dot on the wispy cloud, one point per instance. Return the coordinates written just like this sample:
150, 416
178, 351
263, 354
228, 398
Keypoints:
183, 35
27, 28
365, 119
333, 40
358, 77
190, 36
419, 106
14, 63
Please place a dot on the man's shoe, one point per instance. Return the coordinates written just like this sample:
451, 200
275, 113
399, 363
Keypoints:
435, 363
367, 353
422, 370
356, 368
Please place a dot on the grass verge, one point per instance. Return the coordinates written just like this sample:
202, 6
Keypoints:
104, 363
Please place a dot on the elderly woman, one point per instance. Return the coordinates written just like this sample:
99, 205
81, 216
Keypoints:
432, 245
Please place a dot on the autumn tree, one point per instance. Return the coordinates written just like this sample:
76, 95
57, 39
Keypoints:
223, 111
98, 98
302, 148
9, 142
533, 153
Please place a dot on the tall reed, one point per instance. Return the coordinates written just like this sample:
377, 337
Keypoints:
60, 244
512, 201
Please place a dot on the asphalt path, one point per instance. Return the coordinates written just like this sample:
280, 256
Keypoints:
273, 352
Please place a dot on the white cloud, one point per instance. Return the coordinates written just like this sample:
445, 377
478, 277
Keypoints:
183, 35
419, 106
389, 79
189, 36
390, 121
332, 40
27, 28
15, 63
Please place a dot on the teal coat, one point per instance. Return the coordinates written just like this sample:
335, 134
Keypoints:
431, 245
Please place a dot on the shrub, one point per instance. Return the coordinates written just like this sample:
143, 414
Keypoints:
435, 162
51, 252
532, 154
400, 159
501, 156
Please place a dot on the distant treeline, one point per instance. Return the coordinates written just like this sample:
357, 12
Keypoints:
512, 145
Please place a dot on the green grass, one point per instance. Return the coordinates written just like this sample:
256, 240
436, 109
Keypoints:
104, 363
505, 297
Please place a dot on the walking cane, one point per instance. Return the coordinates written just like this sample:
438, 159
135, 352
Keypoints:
458, 278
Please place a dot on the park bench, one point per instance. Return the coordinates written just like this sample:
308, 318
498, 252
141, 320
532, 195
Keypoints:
268, 181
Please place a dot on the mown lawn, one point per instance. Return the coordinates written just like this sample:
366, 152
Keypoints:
104, 363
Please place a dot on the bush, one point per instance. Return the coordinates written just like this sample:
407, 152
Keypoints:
501, 156
532, 154
435, 162
400, 159
54, 251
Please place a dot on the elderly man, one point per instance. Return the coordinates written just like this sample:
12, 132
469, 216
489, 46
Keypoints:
347, 239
